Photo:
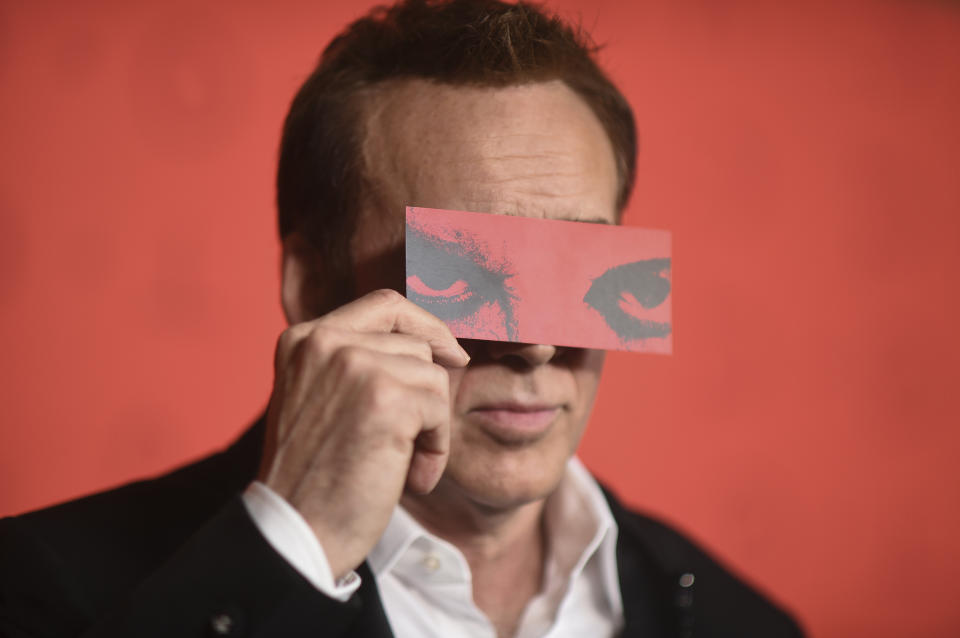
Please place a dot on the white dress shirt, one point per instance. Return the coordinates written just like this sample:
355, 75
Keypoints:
425, 582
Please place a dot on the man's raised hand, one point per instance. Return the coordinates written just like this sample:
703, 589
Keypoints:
360, 408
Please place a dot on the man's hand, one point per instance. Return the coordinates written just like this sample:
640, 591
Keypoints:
360, 408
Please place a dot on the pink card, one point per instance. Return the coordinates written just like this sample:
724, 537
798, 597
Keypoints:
508, 278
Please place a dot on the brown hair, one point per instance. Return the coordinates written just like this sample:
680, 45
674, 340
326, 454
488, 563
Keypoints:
320, 177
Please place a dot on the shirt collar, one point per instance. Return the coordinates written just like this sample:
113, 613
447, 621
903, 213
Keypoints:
581, 531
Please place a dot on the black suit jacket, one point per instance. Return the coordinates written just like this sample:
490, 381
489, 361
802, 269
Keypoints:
179, 556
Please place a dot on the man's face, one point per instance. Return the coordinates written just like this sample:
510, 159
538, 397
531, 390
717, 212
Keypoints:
517, 410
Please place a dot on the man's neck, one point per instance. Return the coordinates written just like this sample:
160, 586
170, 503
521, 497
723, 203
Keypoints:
504, 548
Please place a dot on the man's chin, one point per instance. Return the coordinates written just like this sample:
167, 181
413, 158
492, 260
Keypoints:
501, 489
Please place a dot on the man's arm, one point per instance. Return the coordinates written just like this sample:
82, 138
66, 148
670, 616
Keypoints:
359, 410
225, 578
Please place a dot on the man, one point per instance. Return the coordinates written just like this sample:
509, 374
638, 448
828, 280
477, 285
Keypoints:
406, 482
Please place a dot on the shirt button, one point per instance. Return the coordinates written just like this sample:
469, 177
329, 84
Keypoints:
431, 563
221, 625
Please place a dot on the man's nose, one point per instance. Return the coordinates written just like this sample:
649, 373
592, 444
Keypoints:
532, 354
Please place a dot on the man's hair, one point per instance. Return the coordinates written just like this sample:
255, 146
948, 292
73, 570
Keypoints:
483, 43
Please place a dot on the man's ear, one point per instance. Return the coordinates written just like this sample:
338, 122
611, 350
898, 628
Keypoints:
301, 287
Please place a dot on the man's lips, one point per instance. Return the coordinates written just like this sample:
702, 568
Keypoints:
515, 422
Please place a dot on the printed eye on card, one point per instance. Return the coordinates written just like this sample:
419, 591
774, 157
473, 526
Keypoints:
507, 278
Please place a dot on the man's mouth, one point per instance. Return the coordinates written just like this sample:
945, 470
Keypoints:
515, 422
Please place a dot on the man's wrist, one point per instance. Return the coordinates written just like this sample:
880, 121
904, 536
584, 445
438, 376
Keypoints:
291, 536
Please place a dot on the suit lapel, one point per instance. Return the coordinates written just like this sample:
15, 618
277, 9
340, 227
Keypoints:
373, 621
645, 605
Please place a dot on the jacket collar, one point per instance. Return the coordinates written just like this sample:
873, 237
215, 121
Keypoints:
656, 582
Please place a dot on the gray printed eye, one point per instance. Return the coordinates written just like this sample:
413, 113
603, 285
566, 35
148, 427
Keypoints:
624, 293
452, 281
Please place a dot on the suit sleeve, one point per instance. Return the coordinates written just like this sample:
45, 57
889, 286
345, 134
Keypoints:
226, 580
290, 535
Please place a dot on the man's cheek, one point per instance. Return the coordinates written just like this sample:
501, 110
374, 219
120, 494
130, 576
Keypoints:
587, 368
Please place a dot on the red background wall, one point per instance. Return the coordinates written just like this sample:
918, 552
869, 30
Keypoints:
805, 157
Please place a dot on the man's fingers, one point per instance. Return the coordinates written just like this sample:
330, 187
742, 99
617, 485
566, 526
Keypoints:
388, 311
302, 353
375, 381
325, 341
409, 372
431, 448
426, 468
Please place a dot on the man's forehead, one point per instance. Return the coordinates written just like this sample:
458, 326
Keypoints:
469, 124
532, 150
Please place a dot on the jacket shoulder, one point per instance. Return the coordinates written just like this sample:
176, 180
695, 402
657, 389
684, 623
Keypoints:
169, 556
106, 542
707, 597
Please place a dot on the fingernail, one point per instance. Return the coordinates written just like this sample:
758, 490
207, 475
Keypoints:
465, 355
